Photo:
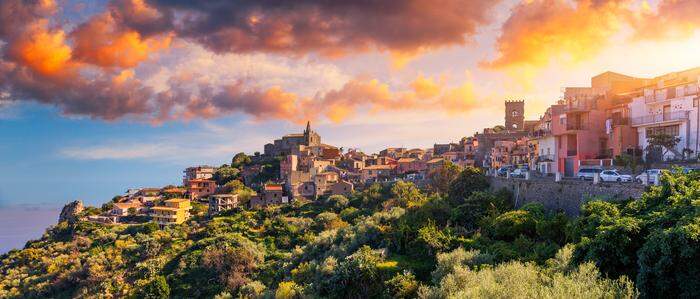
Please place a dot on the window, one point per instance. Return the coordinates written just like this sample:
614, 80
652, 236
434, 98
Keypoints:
514, 113
663, 130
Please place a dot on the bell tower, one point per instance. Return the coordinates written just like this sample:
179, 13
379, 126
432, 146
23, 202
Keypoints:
515, 115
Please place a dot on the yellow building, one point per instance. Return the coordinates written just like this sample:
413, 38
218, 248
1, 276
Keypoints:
175, 211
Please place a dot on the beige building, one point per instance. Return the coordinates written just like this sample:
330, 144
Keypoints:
222, 202
342, 188
377, 172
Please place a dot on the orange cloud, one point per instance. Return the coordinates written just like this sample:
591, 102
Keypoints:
101, 41
672, 19
425, 87
540, 31
90, 70
42, 50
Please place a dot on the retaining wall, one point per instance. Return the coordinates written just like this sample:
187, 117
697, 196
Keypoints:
566, 195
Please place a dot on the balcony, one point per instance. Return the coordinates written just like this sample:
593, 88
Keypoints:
581, 105
659, 118
541, 133
621, 121
545, 158
576, 126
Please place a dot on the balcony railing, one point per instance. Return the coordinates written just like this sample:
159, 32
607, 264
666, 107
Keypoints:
620, 121
576, 126
545, 158
659, 118
541, 133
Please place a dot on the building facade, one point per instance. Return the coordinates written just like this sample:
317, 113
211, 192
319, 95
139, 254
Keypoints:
175, 211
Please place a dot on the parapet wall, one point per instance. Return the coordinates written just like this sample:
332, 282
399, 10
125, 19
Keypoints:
567, 196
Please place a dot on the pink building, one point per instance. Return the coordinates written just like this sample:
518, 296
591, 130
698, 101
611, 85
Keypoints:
584, 129
200, 188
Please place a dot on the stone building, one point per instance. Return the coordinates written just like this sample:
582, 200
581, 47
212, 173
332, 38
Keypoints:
288, 143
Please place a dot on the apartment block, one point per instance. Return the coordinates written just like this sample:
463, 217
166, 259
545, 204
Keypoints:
175, 211
669, 106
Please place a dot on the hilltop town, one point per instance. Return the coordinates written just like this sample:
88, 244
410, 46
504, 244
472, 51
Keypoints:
532, 208
617, 122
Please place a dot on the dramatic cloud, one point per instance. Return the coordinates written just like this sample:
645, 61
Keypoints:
328, 27
102, 42
540, 31
672, 18
94, 68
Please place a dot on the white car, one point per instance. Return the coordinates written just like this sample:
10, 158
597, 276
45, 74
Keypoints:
614, 176
652, 174
518, 173
588, 173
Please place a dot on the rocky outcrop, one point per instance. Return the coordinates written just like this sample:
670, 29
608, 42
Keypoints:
70, 211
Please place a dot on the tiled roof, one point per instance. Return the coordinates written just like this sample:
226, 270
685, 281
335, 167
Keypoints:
274, 187
127, 205
435, 160
379, 167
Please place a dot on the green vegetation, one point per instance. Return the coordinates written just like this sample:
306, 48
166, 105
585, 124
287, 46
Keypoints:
387, 241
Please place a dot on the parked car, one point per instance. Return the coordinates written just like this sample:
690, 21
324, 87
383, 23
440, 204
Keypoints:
518, 173
588, 173
649, 173
503, 171
614, 176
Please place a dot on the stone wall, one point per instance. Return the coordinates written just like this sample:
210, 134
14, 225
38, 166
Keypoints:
567, 195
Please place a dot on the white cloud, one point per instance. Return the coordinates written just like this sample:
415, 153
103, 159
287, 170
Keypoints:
302, 75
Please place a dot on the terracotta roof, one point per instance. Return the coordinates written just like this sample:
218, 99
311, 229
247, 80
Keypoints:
201, 180
275, 187
127, 205
435, 160
379, 167
174, 190
406, 160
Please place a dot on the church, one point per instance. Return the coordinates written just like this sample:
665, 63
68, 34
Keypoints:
285, 145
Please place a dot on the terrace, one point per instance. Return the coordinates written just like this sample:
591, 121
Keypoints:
659, 118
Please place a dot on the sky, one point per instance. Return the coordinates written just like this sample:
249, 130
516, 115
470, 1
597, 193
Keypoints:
100, 96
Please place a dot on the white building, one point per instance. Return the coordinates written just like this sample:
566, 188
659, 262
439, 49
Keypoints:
669, 107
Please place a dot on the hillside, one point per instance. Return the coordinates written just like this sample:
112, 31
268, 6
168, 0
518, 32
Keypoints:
386, 241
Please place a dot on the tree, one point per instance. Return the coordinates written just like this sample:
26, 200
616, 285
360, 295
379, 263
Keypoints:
663, 142
234, 263
225, 174
240, 159
522, 280
156, 289
471, 179
337, 202
407, 194
289, 290
669, 263
402, 285
441, 177
629, 161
